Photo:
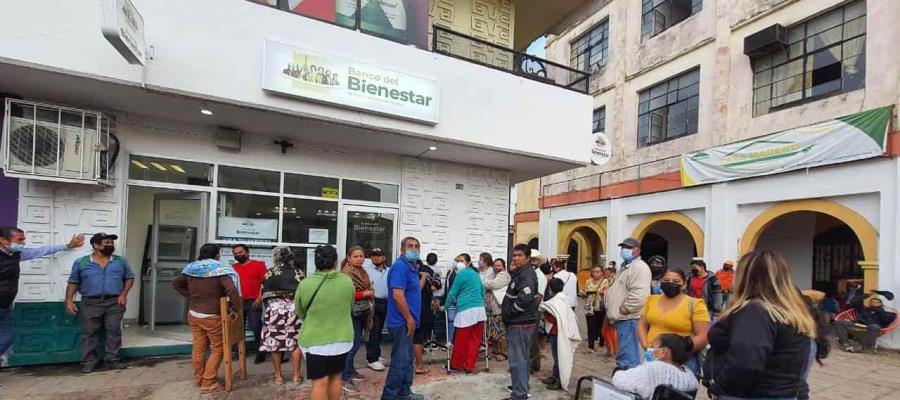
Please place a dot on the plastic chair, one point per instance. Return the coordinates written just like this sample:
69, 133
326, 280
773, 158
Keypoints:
603, 390
850, 315
667, 392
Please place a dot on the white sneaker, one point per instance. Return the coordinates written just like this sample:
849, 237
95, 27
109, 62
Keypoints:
376, 366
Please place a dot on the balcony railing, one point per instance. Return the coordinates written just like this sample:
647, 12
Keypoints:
478, 51
636, 173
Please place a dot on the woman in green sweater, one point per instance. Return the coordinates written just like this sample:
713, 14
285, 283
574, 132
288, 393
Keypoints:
323, 301
467, 294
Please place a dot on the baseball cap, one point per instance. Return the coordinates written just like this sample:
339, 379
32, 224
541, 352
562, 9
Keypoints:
376, 252
729, 263
99, 237
630, 243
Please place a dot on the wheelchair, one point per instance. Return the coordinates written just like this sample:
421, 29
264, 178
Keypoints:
604, 390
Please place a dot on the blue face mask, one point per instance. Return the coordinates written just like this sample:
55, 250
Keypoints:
16, 247
626, 254
412, 256
648, 355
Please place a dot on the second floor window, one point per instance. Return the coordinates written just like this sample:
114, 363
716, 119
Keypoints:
599, 120
591, 49
669, 110
825, 55
659, 15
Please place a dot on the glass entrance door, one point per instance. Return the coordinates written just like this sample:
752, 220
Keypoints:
370, 227
178, 231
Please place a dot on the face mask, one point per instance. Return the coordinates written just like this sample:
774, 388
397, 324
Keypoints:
108, 250
626, 254
460, 265
727, 268
648, 355
16, 247
480, 264
412, 256
241, 259
670, 289
695, 272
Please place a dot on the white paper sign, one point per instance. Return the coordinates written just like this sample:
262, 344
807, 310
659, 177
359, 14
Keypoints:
313, 75
310, 262
123, 27
318, 235
258, 229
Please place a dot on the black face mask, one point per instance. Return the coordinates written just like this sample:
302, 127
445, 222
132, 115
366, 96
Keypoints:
108, 250
670, 289
241, 259
695, 272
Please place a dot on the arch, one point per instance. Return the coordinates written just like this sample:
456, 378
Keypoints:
696, 232
568, 229
865, 232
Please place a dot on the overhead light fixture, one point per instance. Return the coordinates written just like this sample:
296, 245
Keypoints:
158, 166
206, 111
432, 148
177, 168
139, 164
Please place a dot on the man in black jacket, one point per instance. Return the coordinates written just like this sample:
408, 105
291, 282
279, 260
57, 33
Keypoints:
704, 285
874, 317
520, 313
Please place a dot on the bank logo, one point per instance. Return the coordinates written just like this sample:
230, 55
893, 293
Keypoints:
311, 70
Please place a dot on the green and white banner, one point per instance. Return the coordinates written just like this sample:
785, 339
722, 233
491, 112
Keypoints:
849, 138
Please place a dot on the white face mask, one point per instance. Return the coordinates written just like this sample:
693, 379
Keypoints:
460, 265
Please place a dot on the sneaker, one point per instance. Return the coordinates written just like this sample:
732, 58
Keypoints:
376, 366
350, 387
86, 369
414, 396
554, 386
116, 365
509, 389
356, 376
548, 380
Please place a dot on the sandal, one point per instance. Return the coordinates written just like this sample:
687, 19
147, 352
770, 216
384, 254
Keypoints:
422, 371
214, 388
298, 380
279, 380
501, 357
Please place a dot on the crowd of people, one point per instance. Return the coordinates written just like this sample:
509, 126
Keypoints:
745, 332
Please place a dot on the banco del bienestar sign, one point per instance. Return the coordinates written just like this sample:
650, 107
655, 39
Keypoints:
312, 75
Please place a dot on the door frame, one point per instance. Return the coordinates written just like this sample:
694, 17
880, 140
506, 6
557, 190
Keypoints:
343, 209
202, 231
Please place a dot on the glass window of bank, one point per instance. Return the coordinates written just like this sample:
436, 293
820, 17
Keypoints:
825, 55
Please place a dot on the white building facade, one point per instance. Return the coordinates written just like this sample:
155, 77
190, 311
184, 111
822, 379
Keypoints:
211, 142
834, 221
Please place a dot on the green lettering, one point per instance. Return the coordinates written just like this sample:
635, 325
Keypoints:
394, 94
352, 83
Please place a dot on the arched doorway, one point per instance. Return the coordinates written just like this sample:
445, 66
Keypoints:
672, 235
584, 241
533, 243
823, 242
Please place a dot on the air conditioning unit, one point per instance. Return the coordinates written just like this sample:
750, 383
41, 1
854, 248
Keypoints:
48, 142
766, 41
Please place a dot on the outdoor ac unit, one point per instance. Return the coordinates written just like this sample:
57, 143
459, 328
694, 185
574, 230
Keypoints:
766, 41
56, 143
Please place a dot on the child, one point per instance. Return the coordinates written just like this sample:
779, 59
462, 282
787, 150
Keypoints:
561, 326
664, 366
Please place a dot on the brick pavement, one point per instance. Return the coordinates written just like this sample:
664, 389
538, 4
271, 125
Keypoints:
856, 376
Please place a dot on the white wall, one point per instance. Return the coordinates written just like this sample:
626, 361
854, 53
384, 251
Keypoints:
449, 220
214, 49
681, 244
792, 237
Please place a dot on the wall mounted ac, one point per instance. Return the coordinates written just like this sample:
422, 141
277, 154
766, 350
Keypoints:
47, 142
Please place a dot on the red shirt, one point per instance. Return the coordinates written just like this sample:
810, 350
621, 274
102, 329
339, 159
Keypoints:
251, 273
696, 287
550, 319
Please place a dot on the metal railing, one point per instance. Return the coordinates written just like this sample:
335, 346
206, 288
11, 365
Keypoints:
636, 172
458, 45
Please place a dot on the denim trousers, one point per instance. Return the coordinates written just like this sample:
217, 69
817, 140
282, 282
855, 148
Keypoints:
349, 368
629, 355
518, 346
7, 322
399, 379
451, 330
253, 319
554, 351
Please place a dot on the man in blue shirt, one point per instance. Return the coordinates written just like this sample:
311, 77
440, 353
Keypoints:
377, 269
103, 281
12, 253
404, 306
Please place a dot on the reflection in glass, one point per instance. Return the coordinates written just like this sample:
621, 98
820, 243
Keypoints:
171, 171
247, 217
371, 230
249, 179
369, 191
306, 185
303, 216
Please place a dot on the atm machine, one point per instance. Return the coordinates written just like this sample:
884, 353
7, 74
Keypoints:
175, 248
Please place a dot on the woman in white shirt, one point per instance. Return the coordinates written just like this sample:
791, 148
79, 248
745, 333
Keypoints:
664, 366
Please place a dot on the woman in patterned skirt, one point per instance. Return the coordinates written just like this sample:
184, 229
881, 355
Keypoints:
280, 323
495, 286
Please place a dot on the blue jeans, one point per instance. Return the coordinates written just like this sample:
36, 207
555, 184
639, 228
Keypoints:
399, 379
451, 330
253, 318
6, 329
518, 347
554, 351
629, 350
349, 369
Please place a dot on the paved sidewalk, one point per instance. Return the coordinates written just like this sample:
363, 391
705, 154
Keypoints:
844, 376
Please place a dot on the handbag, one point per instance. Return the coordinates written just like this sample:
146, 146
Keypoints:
360, 309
